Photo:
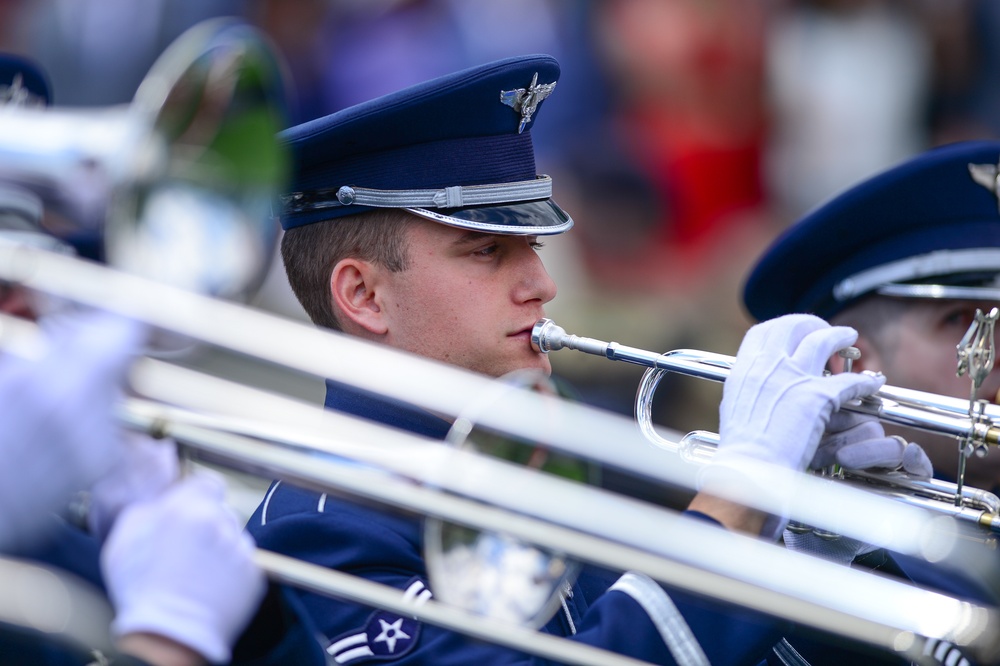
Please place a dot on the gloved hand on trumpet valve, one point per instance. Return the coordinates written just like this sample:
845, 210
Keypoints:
776, 407
180, 567
777, 404
59, 433
858, 441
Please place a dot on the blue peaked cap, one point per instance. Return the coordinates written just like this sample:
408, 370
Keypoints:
456, 149
22, 82
927, 228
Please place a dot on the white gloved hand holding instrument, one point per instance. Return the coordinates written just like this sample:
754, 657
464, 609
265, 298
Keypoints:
180, 566
778, 402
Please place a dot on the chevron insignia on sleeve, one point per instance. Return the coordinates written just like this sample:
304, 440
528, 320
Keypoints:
385, 636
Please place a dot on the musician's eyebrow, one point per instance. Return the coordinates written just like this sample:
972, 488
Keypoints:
471, 237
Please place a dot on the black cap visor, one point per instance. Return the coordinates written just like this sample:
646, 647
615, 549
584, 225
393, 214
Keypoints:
529, 218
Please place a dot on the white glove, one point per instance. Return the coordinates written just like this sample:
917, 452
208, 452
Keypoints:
776, 403
59, 435
857, 441
180, 566
146, 469
839, 549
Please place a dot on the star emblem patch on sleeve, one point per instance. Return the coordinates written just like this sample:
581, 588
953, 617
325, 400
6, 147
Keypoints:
384, 637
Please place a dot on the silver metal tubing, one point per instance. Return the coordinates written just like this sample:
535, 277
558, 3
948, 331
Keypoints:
762, 576
977, 507
550, 421
598, 526
875, 520
923, 411
331, 582
917, 409
572, 428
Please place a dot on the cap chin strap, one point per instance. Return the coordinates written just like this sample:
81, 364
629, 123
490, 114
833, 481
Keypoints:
458, 196
884, 278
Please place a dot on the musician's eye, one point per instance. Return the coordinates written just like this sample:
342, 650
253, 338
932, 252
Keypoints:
958, 317
486, 251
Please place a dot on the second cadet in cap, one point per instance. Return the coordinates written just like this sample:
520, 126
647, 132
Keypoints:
906, 258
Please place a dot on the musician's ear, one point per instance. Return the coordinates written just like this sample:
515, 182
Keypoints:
356, 298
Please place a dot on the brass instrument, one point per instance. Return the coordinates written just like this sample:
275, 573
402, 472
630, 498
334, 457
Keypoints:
915, 409
165, 150
177, 184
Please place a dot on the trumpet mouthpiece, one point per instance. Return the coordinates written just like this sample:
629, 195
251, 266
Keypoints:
547, 336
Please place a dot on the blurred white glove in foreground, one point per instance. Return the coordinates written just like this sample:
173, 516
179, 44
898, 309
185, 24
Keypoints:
180, 566
59, 435
146, 468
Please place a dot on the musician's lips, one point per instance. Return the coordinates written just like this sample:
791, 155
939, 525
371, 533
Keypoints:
523, 334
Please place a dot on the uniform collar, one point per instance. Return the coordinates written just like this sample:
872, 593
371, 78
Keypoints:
378, 408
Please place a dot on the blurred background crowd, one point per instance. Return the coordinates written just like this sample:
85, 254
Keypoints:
683, 136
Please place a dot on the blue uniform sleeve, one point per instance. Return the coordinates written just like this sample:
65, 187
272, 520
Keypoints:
281, 632
635, 617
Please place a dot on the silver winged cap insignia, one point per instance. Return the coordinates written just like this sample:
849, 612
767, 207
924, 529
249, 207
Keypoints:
987, 175
526, 100
15, 94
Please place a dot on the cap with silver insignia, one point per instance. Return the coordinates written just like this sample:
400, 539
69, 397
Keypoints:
456, 150
927, 228
22, 82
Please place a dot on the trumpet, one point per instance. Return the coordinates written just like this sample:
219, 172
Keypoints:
915, 409
165, 182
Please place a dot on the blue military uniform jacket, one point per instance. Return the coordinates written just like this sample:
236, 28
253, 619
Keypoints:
629, 614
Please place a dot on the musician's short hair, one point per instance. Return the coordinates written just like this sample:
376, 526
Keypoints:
310, 252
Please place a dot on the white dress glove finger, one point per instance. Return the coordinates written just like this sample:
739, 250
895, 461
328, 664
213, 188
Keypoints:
59, 434
816, 348
884, 452
844, 420
834, 440
780, 339
849, 386
916, 462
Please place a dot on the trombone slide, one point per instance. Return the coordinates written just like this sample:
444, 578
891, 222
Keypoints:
595, 526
